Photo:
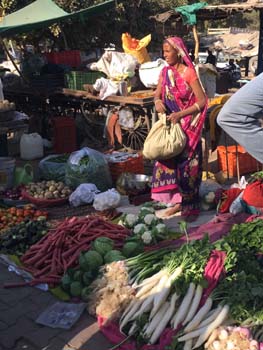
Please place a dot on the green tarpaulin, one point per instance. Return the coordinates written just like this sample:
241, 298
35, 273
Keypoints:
188, 12
43, 13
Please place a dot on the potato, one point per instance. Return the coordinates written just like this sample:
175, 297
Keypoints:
52, 188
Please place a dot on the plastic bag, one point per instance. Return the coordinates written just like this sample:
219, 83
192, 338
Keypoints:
83, 194
236, 206
88, 166
23, 175
107, 200
61, 315
53, 167
116, 65
136, 47
31, 146
242, 183
149, 72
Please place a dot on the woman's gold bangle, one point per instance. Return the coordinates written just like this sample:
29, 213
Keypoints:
158, 100
198, 107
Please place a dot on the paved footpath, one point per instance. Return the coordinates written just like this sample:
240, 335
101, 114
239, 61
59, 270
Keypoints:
19, 308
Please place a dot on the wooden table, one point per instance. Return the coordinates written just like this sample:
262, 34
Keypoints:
141, 102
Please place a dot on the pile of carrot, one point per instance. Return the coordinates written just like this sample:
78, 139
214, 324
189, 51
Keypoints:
59, 249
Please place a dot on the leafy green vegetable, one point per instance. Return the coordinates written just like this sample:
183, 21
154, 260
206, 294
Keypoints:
130, 249
103, 245
113, 255
66, 282
78, 276
85, 293
75, 289
87, 278
93, 259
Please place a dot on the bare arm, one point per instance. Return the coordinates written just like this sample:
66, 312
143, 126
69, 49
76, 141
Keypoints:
159, 105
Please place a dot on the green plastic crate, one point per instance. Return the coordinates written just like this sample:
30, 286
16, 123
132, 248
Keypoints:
76, 79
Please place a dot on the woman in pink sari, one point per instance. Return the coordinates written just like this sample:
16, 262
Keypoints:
180, 95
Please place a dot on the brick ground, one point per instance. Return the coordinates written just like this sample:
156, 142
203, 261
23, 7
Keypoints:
19, 307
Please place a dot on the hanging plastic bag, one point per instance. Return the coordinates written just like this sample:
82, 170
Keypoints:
53, 167
107, 200
136, 47
116, 65
88, 166
83, 194
23, 175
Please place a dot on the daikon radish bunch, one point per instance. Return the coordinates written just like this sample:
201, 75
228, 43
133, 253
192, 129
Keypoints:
158, 294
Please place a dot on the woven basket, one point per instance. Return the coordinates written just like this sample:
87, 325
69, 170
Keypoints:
44, 203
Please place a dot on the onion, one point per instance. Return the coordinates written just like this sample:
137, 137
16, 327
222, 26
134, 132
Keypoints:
253, 345
230, 345
223, 334
217, 345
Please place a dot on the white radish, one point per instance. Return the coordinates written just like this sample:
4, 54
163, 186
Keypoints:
198, 318
156, 319
164, 292
191, 335
154, 278
146, 288
194, 305
145, 307
211, 318
132, 329
209, 328
167, 316
188, 344
160, 286
184, 307
129, 315
128, 308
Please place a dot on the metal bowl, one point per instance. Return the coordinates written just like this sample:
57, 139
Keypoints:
140, 181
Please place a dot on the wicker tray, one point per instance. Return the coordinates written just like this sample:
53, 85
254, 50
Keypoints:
66, 210
44, 203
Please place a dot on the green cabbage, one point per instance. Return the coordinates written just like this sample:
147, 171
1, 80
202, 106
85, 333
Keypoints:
131, 249
78, 276
90, 261
103, 245
87, 278
85, 293
75, 289
113, 255
66, 282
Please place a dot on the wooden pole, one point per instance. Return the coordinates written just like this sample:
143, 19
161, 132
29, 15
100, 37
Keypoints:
196, 43
12, 60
